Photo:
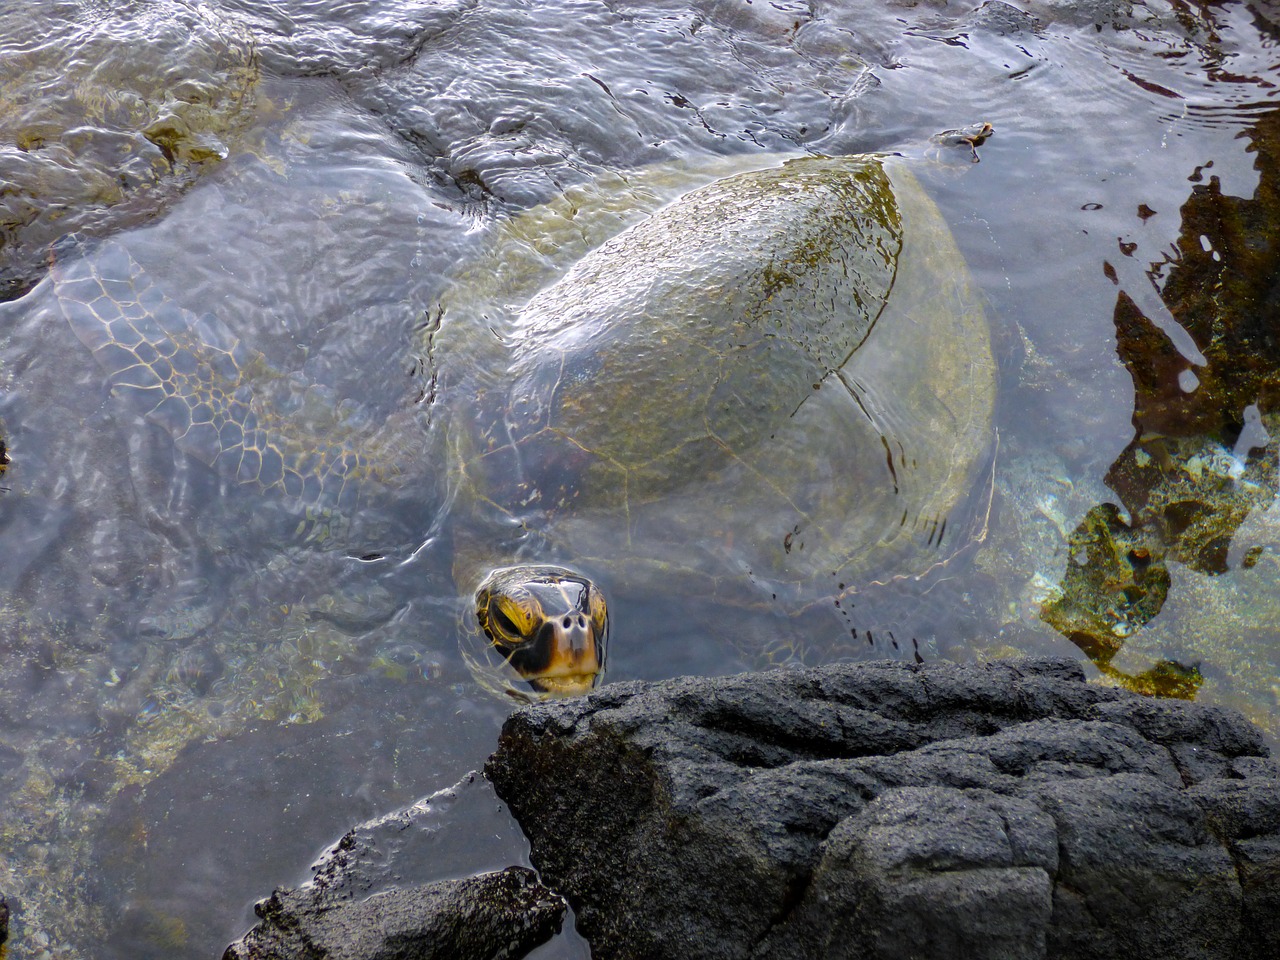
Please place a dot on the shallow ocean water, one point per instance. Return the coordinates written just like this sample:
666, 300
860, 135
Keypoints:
195, 700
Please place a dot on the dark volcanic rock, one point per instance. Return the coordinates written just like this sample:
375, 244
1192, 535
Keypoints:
379, 894
492, 916
888, 810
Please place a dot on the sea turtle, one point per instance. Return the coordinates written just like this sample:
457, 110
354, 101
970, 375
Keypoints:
973, 136
766, 388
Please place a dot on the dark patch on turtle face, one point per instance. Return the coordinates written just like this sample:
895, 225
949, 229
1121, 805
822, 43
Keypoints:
549, 625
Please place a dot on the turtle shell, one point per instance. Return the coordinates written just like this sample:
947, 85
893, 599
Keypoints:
778, 386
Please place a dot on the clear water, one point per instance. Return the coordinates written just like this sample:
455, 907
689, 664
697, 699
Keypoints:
195, 698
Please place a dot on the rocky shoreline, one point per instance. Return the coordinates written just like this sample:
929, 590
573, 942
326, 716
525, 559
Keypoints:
1001, 810
495, 915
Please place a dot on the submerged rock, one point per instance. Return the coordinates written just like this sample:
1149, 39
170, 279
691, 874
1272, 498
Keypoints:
897, 810
1203, 456
109, 113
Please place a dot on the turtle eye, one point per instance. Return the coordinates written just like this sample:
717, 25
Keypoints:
597, 610
505, 625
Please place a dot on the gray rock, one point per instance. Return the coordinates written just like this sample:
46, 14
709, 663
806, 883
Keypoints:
933, 871
1242, 808
489, 917
386, 890
890, 810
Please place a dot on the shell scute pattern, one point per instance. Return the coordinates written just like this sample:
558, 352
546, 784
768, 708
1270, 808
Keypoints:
214, 395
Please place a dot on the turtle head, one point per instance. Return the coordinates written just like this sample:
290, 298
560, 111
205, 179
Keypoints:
541, 627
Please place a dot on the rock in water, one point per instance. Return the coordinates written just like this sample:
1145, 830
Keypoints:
889, 810
494, 916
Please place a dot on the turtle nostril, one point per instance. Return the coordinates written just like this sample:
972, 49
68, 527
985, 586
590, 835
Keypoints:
568, 622
582, 621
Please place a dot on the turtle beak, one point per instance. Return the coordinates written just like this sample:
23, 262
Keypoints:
572, 656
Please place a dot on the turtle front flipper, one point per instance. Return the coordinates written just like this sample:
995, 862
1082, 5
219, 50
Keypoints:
219, 400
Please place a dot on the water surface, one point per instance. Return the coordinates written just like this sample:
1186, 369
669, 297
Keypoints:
203, 685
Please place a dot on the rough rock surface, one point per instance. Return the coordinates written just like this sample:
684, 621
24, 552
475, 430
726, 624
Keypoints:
890, 810
387, 890
493, 916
